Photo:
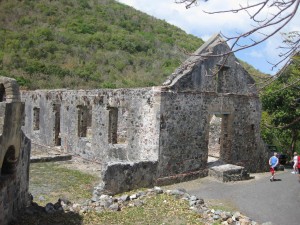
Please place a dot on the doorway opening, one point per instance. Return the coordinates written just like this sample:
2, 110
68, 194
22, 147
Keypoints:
219, 139
214, 139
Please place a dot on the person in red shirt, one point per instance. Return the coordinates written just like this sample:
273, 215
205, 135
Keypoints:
273, 162
298, 165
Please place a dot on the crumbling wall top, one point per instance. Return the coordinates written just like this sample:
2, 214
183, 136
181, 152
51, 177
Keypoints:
212, 68
9, 90
198, 56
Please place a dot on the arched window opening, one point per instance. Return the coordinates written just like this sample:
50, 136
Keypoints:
9, 162
2, 93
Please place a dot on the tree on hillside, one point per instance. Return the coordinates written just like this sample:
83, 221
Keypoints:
281, 122
80, 44
268, 18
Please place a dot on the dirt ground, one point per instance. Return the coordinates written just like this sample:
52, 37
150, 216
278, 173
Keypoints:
76, 162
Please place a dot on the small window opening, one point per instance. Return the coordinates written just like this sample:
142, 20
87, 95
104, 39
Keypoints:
84, 121
56, 128
36, 118
118, 125
23, 117
113, 125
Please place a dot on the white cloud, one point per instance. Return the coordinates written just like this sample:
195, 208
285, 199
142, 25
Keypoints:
192, 20
205, 37
195, 21
256, 54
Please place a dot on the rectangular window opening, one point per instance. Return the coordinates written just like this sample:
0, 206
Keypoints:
36, 118
113, 125
84, 121
56, 128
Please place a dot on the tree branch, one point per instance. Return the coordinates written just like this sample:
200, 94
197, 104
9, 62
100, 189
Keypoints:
284, 13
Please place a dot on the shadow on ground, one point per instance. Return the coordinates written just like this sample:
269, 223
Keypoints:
36, 215
57, 218
276, 180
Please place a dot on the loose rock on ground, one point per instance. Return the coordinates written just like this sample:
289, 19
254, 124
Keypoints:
107, 202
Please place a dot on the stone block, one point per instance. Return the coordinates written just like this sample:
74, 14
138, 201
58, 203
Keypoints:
121, 177
228, 172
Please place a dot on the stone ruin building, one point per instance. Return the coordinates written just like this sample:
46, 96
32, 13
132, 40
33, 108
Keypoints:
14, 152
157, 135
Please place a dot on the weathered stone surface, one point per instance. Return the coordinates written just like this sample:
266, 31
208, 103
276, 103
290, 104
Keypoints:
228, 172
127, 176
167, 127
14, 153
124, 198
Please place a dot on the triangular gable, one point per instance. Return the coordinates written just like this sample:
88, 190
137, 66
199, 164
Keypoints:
197, 73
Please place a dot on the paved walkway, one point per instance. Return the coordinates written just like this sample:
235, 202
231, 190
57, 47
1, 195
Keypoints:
263, 201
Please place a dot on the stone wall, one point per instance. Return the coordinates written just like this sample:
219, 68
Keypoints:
127, 176
122, 127
201, 87
165, 126
14, 152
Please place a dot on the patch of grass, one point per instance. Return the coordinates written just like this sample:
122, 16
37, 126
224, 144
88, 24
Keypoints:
221, 204
158, 209
51, 181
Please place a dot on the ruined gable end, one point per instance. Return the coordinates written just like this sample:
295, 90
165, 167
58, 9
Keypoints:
209, 85
208, 70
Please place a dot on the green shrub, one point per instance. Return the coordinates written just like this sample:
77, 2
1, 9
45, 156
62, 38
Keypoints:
108, 84
23, 81
87, 44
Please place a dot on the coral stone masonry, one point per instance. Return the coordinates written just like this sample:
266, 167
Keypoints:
14, 152
158, 135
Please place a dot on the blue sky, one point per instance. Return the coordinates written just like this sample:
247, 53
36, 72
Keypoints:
195, 21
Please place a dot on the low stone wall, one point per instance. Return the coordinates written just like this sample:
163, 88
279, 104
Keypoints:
121, 177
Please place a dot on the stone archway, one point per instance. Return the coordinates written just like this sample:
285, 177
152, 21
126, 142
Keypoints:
9, 162
9, 90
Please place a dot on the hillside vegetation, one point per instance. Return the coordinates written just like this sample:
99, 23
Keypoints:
259, 77
87, 44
